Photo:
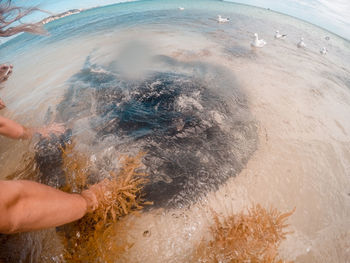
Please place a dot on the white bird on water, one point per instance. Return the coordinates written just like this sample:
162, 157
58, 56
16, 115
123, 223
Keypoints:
181, 8
301, 43
257, 42
279, 36
323, 51
222, 19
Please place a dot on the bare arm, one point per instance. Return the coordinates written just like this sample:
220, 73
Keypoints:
27, 205
14, 130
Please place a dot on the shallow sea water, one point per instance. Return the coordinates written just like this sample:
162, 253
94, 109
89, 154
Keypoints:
295, 103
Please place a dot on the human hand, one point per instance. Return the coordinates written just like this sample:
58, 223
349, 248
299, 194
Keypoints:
46, 131
5, 72
94, 194
54, 128
2, 104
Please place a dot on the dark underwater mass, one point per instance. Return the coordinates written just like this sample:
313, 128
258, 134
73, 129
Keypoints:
194, 137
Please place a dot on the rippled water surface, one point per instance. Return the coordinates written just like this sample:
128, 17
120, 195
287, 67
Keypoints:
223, 125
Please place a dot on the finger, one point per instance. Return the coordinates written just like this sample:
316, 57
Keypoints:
60, 126
57, 128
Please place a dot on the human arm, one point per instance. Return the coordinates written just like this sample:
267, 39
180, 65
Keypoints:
27, 206
14, 130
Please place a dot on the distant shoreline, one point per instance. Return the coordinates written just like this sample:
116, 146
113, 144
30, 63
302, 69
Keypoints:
47, 20
61, 15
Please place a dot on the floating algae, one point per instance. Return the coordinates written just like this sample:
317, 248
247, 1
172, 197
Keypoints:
90, 239
245, 237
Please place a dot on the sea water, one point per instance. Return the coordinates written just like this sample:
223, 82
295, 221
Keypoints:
225, 125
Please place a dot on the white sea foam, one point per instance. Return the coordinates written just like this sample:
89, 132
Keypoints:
188, 103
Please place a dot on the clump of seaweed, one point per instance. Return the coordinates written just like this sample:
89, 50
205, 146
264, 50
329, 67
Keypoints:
123, 192
245, 237
92, 239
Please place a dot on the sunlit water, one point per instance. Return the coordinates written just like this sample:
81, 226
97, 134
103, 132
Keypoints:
224, 126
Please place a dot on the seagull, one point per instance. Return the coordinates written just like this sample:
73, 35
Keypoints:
222, 20
258, 42
181, 8
279, 36
323, 51
301, 43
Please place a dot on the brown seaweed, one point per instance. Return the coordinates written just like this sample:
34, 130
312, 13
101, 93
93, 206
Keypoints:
93, 238
245, 237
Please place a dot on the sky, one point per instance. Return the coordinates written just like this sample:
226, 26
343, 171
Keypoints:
59, 6
333, 15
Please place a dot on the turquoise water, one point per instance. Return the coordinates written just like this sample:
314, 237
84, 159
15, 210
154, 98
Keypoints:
224, 125
129, 14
